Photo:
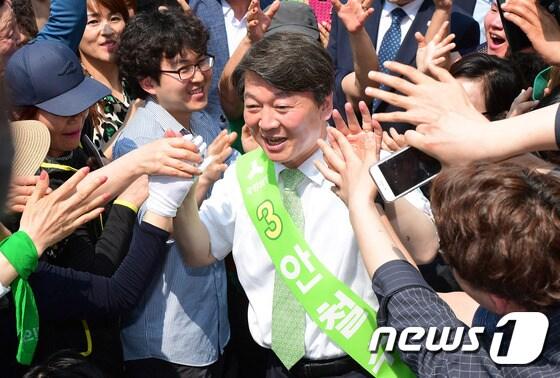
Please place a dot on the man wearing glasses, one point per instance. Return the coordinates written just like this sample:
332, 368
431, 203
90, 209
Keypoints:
180, 328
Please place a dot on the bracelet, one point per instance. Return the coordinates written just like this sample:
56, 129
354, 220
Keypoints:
125, 203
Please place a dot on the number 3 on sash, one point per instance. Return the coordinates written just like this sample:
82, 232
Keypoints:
266, 211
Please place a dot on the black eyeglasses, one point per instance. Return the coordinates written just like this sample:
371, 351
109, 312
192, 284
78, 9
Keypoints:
187, 72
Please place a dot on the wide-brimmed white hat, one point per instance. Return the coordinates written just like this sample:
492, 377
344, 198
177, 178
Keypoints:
31, 140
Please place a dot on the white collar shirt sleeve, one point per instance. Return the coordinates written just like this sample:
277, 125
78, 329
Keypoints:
236, 29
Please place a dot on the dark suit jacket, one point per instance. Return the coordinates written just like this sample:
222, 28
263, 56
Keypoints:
211, 14
465, 28
466, 5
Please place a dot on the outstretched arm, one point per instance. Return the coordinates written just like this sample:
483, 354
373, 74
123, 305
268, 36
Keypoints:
63, 293
66, 22
353, 16
166, 157
405, 298
191, 234
258, 22
449, 128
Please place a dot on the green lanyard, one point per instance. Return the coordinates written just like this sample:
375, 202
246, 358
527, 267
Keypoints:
20, 251
340, 313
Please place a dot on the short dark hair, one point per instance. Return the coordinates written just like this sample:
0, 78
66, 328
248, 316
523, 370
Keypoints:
151, 36
65, 363
291, 62
499, 229
500, 78
528, 64
114, 6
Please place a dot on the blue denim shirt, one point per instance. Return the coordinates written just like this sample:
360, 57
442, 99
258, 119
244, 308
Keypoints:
182, 317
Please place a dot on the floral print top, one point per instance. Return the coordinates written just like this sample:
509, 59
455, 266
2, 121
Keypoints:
107, 118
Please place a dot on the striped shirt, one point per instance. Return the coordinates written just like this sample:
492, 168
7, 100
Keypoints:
406, 300
182, 317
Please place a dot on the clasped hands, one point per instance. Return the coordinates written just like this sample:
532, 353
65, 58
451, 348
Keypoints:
166, 193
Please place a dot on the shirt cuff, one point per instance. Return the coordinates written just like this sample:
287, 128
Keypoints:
127, 204
391, 278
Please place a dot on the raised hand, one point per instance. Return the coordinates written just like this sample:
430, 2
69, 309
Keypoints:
538, 24
353, 131
166, 192
324, 33
435, 51
393, 141
347, 168
247, 140
425, 99
353, 14
49, 219
448, 126
21, 188
258, 20
218, 151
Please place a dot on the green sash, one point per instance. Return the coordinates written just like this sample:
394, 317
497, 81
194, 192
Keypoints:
341, 314
20, 251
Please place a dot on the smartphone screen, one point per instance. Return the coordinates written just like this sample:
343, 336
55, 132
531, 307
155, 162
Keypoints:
408, 169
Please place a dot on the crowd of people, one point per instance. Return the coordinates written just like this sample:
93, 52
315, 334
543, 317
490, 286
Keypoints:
185, 186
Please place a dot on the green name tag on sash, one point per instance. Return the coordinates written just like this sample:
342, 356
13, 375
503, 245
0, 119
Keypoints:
341, 314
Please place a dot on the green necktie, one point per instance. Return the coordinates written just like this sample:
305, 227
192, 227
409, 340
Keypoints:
288, 315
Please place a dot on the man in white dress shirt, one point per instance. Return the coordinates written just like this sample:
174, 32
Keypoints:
286, 81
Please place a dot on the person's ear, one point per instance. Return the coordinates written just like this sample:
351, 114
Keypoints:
501, 305
326, 107
148, 84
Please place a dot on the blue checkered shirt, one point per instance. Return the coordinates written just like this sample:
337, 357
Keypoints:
182, 317
406, 300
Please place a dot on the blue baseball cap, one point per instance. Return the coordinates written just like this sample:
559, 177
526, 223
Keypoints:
48, 75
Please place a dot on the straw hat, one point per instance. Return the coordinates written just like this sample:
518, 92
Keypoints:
31, 141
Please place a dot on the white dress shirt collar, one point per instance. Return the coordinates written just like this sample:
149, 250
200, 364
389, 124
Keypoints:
411, 9
307, 168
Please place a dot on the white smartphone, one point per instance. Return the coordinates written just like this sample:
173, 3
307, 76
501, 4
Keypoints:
402, 172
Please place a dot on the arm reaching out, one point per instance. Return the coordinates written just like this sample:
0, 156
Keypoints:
449, 128
165, 157
353, 16
436, 50
258, 22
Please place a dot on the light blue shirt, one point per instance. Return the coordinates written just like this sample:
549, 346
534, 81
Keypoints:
182, 317
481, 8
